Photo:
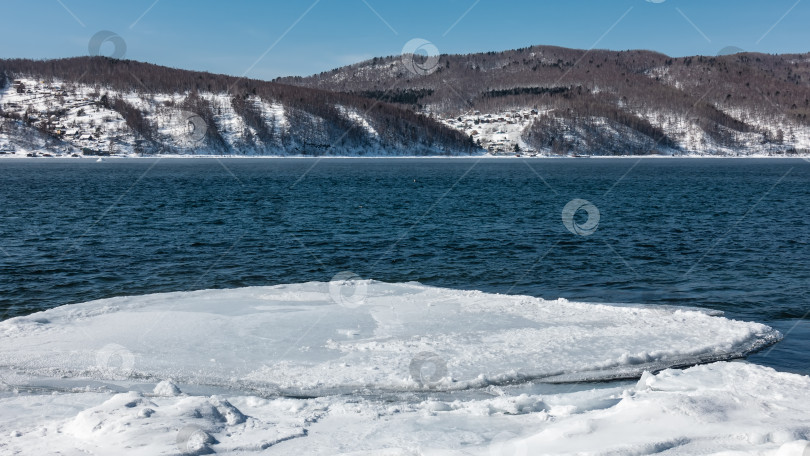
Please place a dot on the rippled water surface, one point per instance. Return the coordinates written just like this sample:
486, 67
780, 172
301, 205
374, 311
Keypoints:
725, 234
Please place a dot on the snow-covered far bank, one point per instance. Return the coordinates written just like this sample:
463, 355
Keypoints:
43, 156
509, 133
54, 117
360, 367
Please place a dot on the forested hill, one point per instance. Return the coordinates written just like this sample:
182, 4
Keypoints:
601, 101
100, 106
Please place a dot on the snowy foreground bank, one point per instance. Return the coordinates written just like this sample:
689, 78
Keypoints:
368, 368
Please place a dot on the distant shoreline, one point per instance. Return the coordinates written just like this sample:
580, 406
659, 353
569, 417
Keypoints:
404, 157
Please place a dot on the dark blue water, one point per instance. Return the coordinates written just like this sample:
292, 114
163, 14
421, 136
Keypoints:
726, 234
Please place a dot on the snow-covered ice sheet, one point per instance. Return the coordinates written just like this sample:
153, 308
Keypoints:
728, 408
310, 339
368, 368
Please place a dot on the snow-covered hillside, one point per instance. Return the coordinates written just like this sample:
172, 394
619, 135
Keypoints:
500, 133
599, 102
510, 133
47, 116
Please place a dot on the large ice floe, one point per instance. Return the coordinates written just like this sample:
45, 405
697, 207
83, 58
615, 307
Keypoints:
368, 368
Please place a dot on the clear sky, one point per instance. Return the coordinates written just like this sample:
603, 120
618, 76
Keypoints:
266, 39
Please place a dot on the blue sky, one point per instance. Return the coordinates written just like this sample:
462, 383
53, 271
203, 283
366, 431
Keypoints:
266, 39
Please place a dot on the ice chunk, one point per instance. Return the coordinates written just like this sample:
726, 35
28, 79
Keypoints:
292, 339
166, 388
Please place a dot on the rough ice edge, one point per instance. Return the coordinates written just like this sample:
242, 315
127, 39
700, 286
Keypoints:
631, 364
